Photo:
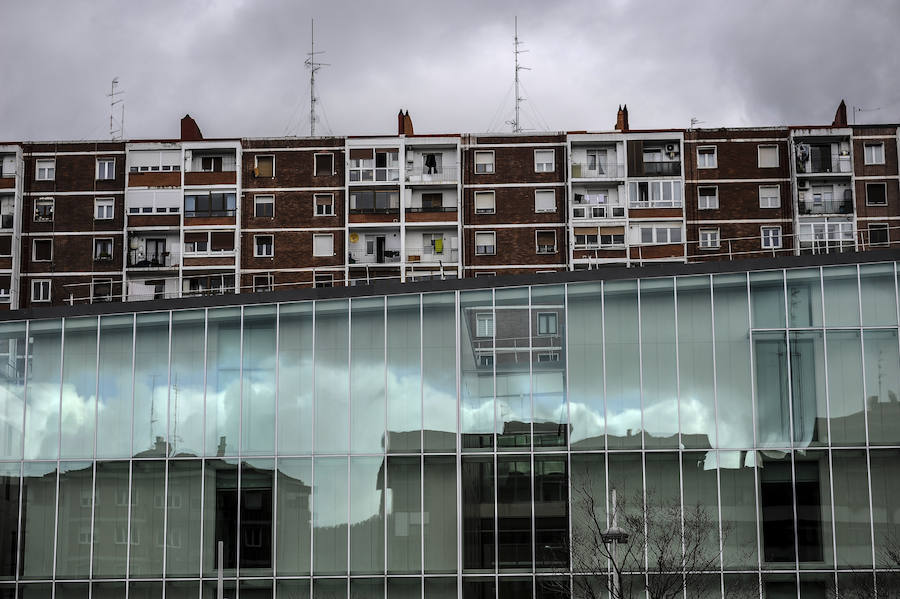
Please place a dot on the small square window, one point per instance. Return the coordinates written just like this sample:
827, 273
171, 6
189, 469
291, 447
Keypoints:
101, 290
106, 169
707, 198
40, 290
45, 170
42, 250
874, 153
767, 156
485, 202
43, 210
709, 238
546, 242
323, 279
484, 162
770, 237
706, 157
104, 208
265, 167
323, 245
263, 246
103, 249
484, 324
485, 243
544, 200
879, 234
210, 164
484, 273
324, 204
262, 283
769, 196
876, 194
543, 161
547, 323
324, 164
264, 206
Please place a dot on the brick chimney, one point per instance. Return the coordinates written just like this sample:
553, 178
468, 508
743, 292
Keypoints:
622, 118
189, 129
404, 124
840, 117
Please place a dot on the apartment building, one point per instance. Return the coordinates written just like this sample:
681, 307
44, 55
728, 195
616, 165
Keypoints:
144, 219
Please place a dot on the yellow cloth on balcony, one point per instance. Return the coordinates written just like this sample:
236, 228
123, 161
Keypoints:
438, 246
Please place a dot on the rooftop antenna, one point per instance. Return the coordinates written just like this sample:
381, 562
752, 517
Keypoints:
516, 122
695, 121
313, 67
113, 95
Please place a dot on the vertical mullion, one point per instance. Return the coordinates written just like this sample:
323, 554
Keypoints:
384, 446
19, 548
275, 450
862, 350
568, 435
827, 422
348, 486
753, 392
94, 451
203, 436
130, 456
312, 459
529, 311
240, 459
457, 317
790, 391
170, 439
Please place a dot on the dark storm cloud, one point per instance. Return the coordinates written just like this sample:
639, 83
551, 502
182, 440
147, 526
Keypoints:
237, 67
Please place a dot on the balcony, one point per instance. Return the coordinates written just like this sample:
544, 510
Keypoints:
360, 256
825, 206
597, 170
428, 255
662, 169
379, 174
432, 175
140, 260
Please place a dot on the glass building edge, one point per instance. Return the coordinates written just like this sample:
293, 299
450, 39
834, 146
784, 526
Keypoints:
821, 397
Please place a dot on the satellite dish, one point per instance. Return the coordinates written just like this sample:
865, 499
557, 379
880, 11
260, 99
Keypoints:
354, 237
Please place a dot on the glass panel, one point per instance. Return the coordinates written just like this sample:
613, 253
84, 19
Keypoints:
111, 520
548, 360
514, 588
255, 545
885, 472
404, 588
440, 588
733, 386
184, 518
12, 388
186, 392
626, 477
663, 499
439, 371
325, 588
144, 590
808, 389
151, 385
512, 339
813, 493
659, 379
114, 386
882, 364
738, 501
742, 585
292, 589
367, 588
35, 591
776, 504
42, 393
184, 589
622, 369
220, 515
209, 589
851, 509
404, 374
148, 492
704, 586
295, 377
773, 403
72, 590
817, 585
73, 533
367, 515
254, 589
79, 388
514, 513
841, 294
804, 289
367, 375
9, 518
697, 399
767, 299
701, 504
403, 505
223, 384
589, 511
845, 387
585, 365
258, 382
294, 515
331, 376
110, 590
551, 512
38, 518
476, 314
478, 588
879, 294
439, 519
330, 516
478, 514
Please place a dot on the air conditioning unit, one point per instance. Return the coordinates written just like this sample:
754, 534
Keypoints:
671, 148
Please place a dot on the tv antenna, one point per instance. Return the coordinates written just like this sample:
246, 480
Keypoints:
695, 121
516, 122
116, 127
313, 67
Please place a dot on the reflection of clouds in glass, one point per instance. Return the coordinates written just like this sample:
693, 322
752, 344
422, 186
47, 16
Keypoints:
42, 421
10, 423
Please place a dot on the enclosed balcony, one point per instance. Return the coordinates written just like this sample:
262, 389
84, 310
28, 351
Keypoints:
432, 247
431, 205
824, 158
830, 199
7, 170
210, 167
369, 165
374, 247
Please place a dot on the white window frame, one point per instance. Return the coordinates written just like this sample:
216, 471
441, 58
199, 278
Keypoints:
550, 317
316, 172
709, 238
256, 249
759, 162
105, 169
712, 204
323, 279
705, 162
45, 201
881, 226
45, 169
544, 193
543, 166
883, 186
39, 285
256, 166
261, 200
656, 235
330, 237
105, 298
112, 245
766, 237
486, 194
537, 248
34, 247
492, 245
316, 204
490, 167
263, 283
100, 206
777, 196
487, 329
876, 159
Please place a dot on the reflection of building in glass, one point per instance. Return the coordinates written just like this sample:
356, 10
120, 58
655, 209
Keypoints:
350, 444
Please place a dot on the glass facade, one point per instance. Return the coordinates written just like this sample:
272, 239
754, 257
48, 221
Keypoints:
430, 444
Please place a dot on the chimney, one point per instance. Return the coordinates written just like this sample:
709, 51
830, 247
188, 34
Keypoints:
404, 124
400, 122
840, 117
189, 129
622, 119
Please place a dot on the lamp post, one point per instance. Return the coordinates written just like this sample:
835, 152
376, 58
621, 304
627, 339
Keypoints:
614, 535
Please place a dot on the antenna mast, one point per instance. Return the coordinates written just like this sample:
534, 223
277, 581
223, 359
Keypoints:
114, 93
313, 67
516, 122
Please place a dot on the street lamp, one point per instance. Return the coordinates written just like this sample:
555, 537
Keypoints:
614, 535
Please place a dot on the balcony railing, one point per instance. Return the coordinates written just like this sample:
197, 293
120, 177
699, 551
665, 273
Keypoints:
662, 169
361, 257
597, 170
428, 254
375, 211
374, 174
443, 174
842, 206
162, 260
835, 164
432, 208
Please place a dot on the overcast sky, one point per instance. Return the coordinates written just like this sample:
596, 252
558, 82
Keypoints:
237, 66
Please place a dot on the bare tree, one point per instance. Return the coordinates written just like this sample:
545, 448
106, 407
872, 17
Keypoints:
862, 585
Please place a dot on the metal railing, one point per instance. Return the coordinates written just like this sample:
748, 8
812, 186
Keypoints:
208, 213
432, 208
138, 259
359, 175
361, 257
842, 206
836, 164
441, 174
662, 169
597, 170
375, 210
428, 254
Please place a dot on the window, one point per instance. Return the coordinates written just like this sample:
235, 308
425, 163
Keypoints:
543, 161
484, 324
45, 170
485, 360
323, 279
484, 162
323, 245
768, 156
544, 200
654, 194
706, 157
879, 234
40, 290
263, 246
484, 273
586, 237
485, 243
324, 204
264, 206
101, 290
43, 210
42, 250
771, 237
211, 164
103, 249
104, 208
262, 283
106, 169
208, 204
324, 164
874, 153
265, 166
709, 238
485, 202
661, 234
546, 242
876, 194
547, 323
548, 356
769, 196
432, 201
708, 198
